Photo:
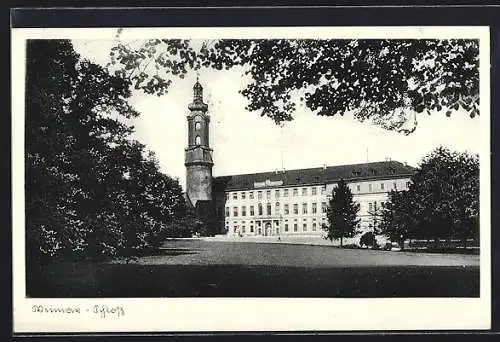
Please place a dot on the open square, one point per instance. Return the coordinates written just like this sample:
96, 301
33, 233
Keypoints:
204, 268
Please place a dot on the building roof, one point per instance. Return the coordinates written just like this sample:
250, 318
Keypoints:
311, 176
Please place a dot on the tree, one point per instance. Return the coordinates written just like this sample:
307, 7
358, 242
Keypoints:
91, 191
397, 219
442, 201
342, 214
445, 193
382, 80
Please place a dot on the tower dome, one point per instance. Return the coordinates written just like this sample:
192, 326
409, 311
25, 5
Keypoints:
198, 103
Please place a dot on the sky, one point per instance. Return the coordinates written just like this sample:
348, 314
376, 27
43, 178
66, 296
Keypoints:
245, 142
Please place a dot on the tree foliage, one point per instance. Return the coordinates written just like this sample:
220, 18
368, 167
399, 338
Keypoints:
383, 80
398, 217
442, 201
90, 189
341, 213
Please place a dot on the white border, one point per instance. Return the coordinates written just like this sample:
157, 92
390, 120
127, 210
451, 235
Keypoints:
242, 314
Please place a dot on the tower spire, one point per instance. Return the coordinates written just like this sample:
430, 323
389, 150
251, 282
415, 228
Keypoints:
198, 103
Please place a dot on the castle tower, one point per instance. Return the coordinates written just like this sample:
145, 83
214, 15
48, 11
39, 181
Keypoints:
198, 153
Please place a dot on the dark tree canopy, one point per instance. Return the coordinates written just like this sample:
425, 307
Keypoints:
342, 214
90, 189
398, 221
378, 79
442, 201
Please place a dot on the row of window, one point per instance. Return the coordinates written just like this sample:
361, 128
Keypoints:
278, 193
304, 191
277, 209
382, 186
276, 222
305, 227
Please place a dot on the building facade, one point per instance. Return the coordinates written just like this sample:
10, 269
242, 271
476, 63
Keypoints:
284, 202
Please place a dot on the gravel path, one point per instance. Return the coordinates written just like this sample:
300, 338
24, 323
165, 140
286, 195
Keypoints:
206, 252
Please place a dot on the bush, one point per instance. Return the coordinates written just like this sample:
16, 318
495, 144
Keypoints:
368, 240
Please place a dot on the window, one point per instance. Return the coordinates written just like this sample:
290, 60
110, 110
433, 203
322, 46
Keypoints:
295, 208
381, 186
235, 195
304, 208
314, 208
286, 227
286, 209
375, 206
323, 189
235, 211
243, 211
259, 194
250, 195
277, 208
227, 212
235, 228
251, 228
304, 227
252, 212
260, 209
407, 185
295, 192
285, 193
358, 187
313, 191
370, 188
242, 228
197, 140
243, 195
394, 185
268, 208
314, 226
370, 207
304, 191
277, 193
197, 126
268, 194
323, 207
295, 228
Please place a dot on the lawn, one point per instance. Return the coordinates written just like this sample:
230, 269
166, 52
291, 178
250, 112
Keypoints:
194, 268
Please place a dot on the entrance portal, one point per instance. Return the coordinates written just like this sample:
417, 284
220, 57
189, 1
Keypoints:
268, 230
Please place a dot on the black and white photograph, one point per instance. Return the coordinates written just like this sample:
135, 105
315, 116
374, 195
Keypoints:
260, 178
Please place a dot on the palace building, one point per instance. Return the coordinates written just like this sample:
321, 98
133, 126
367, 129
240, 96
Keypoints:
283, 202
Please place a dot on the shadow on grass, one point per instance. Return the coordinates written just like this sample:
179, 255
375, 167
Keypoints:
170, 252
65, 279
